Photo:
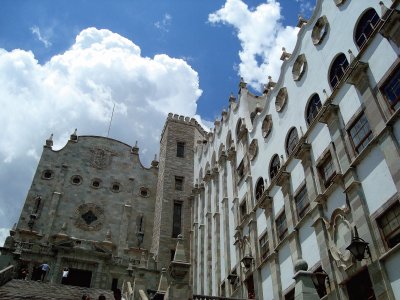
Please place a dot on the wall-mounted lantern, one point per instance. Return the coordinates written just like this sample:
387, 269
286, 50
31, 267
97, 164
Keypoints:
358, 247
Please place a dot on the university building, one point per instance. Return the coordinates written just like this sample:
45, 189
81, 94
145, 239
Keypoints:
294, 194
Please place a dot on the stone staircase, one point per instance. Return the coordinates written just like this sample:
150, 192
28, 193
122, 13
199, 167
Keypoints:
35, 290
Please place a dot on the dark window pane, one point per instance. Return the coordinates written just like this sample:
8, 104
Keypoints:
313, 107
366, 27
275, 166
302, 202
389, 224
338, 68
177, 219
180, 149
360, 133
391, 89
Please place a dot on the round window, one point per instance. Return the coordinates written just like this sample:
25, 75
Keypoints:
144, 192
266, 126
116, 187
76, 179
96, 183
47, 174
299, 67
253, 149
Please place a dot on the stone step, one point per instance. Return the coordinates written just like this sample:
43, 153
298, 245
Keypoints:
35, 290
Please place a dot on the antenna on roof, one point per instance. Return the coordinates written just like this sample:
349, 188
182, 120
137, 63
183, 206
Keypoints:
109, 126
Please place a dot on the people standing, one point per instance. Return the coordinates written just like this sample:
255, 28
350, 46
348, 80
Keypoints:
44, 269
65, 273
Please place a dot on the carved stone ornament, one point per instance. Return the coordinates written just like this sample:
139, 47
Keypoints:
89, 217
100, 158
340, 235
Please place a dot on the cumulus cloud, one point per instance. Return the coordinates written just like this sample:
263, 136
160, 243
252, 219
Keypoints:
306, 7
262, 36
44, 39
165, 23
4, 232
78, 89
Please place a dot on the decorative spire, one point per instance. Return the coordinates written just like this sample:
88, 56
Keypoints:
49, 141
325, 93
301, 21
352, 57
285, 55
163, 284
232, 98
154, 163
180, 251
108, 235
384, 9
271, 84
242, 84
74, 136
135, 149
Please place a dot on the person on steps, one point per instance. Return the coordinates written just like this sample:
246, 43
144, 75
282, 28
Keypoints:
44, 269
64, 275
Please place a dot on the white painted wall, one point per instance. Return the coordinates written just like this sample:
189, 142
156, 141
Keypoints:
267, 286
278, 201
376, 180
261, 221
392, 264
297, 173
349, 103
308, 242
335, 200
396, 130
320, 139
286, 265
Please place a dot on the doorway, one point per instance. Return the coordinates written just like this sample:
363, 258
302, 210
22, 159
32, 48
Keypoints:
360, 287
78, 277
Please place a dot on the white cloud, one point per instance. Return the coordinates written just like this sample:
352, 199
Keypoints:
44, 39
165, 23
306, 7
4, 232
261, 35
77, 89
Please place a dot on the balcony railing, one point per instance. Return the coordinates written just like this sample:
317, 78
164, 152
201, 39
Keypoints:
204, 297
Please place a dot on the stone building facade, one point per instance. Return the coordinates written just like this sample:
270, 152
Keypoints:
267, 201
289, 179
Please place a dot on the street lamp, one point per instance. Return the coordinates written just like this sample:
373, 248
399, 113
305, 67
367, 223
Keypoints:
358, 247
319, 279
247, 261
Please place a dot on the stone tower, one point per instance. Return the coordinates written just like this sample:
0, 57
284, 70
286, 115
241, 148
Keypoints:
175, 182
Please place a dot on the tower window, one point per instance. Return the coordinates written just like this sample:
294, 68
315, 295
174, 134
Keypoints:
76, 179
281, 226
366, 26
47, 174
313, 107
391, 89
177, 219
389, 223
179, 183
180, 149
360, 133
337, 70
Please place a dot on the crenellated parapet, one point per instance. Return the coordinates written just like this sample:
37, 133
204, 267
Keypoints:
183, 120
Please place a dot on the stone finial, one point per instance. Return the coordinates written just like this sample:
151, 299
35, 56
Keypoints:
135, 149
301, 132
352, 57
325, 93
64, 227
49, 141
143, 260
108, 235
224, 112
384, 9
301, 21
163, 284
271, 84
180, 251
285, 55
154, 163
242, 84
232, 98
13, 230
300, 265
74, 136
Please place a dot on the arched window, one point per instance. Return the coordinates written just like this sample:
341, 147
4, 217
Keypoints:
274, 166
314, 104
365, 27
337, 70
259, 188
291, 140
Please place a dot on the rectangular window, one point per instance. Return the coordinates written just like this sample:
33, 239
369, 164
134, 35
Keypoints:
180, 149
360, 133
389, 223
240, 171
172, 253
177, 219
243, 210
302, 202
391, 89
264, 246
281, 226
327, 170
179, 183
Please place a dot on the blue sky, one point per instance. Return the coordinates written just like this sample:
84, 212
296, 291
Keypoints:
64, 64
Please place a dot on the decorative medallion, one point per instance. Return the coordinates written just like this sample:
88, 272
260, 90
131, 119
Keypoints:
89, 217
101, 158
